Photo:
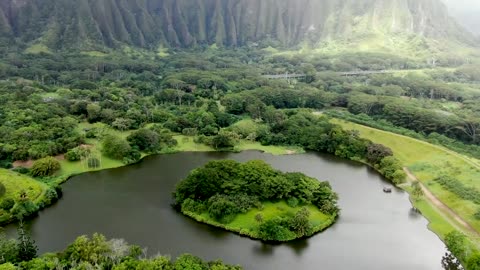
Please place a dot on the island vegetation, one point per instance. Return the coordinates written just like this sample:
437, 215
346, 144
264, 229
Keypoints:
257, 201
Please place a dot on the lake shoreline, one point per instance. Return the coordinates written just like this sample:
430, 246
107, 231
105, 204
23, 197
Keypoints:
316, 230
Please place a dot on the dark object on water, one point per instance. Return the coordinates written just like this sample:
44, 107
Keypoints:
387, 190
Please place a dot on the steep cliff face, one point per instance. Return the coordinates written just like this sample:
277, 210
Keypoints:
181, 23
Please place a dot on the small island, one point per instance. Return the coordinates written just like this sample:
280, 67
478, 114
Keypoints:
255, 200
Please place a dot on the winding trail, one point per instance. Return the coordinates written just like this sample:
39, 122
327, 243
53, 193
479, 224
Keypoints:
442, 208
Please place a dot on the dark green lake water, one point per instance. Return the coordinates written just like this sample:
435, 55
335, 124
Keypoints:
375, 231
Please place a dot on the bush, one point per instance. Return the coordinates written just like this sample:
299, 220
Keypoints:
51, 196
22, 170
5, 164
45, 167
220, 208
77, 153
7, 204
391, 168
24, 209
190, 205
292, 202
275, 229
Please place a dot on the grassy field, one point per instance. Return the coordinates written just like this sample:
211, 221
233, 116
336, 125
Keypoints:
16, 183
246, 224
428, 162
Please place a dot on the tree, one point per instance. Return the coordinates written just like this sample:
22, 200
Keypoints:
94, 112
300, 223
8, 249
377, 152
115, 147
144, 140
417, 191
27, 249
45, 167
189, 262
84, 249
224, 140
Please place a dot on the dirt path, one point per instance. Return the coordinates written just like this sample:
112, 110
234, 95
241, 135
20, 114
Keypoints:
444, 210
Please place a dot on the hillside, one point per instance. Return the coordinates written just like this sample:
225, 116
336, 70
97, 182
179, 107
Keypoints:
96, 24
466, 13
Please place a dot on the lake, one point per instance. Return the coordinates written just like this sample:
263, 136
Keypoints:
375, 230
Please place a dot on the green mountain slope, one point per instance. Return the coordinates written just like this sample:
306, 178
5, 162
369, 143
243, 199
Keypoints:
61, 24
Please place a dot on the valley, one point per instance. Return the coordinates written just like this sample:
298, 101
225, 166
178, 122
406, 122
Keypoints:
266, 109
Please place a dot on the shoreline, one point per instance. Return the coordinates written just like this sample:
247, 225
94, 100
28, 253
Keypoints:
61, 179
246, 233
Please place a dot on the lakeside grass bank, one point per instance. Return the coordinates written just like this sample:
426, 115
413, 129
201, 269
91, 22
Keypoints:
427, 162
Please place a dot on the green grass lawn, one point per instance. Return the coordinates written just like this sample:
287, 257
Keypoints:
427, 162
246, 224
16, 183
185, 144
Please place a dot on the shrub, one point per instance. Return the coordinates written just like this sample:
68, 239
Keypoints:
5, 164
22, 170
391, 168
45, 167
292, 202
24, 209
77, 153
275, 229
7, 204
51, 195
220, 208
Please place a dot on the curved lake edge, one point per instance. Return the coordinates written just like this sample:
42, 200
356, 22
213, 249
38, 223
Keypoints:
316, 230
364, 229
59, 180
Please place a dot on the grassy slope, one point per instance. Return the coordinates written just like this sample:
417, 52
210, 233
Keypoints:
15, 184
245, 224
428, 161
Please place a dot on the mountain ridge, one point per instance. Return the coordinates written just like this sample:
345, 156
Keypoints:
63, 24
